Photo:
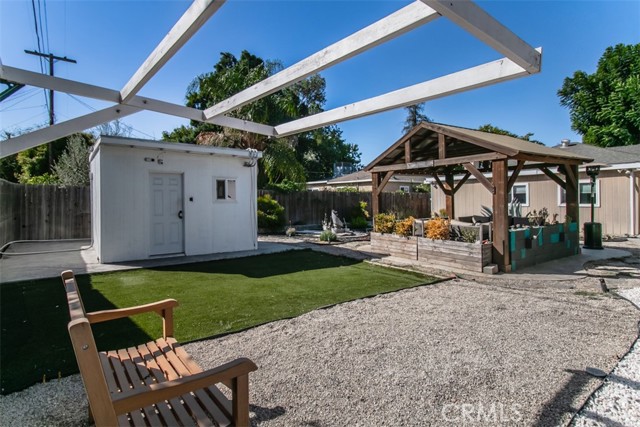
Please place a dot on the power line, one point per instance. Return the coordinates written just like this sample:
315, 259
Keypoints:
51, 57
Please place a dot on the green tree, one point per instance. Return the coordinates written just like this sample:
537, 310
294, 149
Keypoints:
283, 159
31, 166
415, 116
605, 106
72, 168
494, 129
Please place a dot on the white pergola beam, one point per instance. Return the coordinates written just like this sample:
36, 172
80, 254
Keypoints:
394, 25
474, 19
471, 78
17, 75
60, 130
29, 78
188, 24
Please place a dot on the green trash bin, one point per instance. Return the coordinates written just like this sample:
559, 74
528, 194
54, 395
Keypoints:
592, 235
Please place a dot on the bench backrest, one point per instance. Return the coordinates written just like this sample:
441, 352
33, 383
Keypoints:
84, 346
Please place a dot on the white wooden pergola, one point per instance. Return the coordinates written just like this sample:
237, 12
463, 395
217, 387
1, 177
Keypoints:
520, 60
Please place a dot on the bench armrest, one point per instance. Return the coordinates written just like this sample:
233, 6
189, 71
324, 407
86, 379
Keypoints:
154, 393
164, 308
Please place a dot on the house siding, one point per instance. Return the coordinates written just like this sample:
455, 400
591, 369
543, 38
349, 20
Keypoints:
613, 212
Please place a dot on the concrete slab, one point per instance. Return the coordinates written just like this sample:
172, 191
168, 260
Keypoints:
39, 260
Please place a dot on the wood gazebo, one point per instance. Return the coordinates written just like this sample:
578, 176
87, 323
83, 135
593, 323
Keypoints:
443, 151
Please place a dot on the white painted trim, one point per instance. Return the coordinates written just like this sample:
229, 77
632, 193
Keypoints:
471, 78
188, 24
412, 16
474, 19
633, 201
60, 130
175, 147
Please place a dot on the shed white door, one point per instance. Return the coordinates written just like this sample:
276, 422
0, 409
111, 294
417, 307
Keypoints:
167, 231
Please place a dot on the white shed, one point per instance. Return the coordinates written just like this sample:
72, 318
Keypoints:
156, 199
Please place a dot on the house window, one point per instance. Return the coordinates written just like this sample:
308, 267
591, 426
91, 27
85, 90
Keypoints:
584, 194
520, 192
225, 189
405, 188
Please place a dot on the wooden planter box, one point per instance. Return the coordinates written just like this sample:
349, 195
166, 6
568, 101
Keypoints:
394, 245
535, 245
436, 253
449, 253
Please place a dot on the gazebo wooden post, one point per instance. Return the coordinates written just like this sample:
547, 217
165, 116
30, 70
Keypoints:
572, 208
501, 250
375, 194
449, 194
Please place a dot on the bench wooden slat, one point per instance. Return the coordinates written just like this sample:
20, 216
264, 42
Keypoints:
157, 375
166, 409
191, 404
212, 405
142, 385
136, 381
123, 382
197, 403
194, 368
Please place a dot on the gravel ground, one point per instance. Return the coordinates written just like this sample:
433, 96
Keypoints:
459, 352
617, 402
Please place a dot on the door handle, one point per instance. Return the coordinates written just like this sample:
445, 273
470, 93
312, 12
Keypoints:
180, 215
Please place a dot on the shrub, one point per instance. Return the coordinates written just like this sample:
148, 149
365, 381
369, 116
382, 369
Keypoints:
360, 210
328, 236
359, 222
404, 227
422, 188
287, 186
270, 213
437, 229
384, 223
347, 190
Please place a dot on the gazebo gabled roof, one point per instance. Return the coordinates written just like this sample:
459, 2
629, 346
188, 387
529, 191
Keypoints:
421, 149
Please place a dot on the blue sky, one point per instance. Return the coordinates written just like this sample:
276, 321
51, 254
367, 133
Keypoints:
110, 39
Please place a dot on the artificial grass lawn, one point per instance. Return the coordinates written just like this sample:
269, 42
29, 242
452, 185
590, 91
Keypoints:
215, 297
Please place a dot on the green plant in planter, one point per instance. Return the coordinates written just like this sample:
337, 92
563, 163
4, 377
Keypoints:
384, 223
328, 236
469, 235
404, 227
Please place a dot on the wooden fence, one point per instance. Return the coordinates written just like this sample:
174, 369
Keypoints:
42, 212
310, 207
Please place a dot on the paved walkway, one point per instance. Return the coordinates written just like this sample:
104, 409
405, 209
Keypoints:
34, 260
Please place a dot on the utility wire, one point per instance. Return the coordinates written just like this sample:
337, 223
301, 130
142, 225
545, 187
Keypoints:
24, 98
46, 24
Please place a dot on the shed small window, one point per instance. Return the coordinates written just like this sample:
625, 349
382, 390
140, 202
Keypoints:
225, 189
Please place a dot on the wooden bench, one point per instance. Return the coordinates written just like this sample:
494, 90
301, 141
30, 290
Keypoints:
156, 383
